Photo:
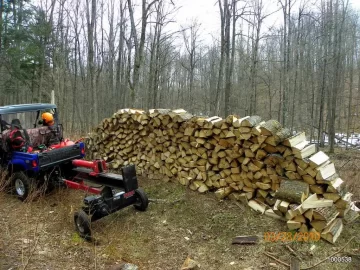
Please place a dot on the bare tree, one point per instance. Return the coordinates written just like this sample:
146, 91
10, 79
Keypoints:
139, 45
191, 41
91, 19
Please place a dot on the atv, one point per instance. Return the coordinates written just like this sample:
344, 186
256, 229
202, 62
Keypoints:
45, 159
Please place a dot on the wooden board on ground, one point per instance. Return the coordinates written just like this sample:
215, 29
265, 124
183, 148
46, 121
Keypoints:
245, 240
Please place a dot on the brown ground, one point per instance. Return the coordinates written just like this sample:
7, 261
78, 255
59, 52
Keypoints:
41, 235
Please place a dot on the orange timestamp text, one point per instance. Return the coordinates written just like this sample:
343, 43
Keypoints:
291, 237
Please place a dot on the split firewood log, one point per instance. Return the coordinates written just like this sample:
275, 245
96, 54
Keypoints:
333, 230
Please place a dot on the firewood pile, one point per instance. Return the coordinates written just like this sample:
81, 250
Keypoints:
257, 162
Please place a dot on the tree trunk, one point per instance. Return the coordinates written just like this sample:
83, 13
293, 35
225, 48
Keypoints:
216, 103
227, 92
91, 58
1, 28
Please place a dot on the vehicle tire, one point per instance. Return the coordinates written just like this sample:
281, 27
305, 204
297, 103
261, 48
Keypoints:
21, 185
142, 200
82, 224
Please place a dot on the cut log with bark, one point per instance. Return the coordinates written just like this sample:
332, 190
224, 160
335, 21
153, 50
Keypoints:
222, 193
283, 206
237, 122
299, 218
344, 201
332, 231
294, 140
252, 121
306, 152
318, 189
318, 225
258, 206
293, 225
324, 172
276, 208
291, 213
293, 191
351, 214
270, 128
314, 202
325, 213
318, 159
331, 196
309, 214
272, 214
336, 186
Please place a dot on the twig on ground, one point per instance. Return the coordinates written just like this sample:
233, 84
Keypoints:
32, 251
178, 200
158, 200
279, 261
240, 206
329, 256
165, 201
347, 162
293, 252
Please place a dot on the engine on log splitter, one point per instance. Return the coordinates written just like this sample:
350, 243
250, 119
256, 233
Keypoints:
119, 191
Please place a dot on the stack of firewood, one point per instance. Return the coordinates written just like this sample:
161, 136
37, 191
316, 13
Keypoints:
247, 159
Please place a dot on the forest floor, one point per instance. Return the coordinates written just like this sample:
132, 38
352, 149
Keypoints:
181, 223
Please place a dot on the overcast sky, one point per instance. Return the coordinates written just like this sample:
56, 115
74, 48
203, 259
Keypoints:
207, 12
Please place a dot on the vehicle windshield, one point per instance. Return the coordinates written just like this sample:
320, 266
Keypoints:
27, 119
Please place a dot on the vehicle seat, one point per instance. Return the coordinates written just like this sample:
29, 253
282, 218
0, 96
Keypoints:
5, 134
16, 123
40, 135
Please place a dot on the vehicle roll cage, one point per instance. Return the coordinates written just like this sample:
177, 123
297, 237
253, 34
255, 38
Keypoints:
22, 108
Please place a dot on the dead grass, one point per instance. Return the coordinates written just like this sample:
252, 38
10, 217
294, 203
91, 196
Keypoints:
347, 163
41, 233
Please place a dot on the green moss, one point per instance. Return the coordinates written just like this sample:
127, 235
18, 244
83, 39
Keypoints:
76, 239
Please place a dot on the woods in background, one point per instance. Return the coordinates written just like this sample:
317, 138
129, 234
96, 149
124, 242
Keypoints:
101, 56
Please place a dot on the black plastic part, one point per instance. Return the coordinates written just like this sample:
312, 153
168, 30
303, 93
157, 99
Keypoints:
59, 156
107, 192
127, 181
82, 224
142, 200
130, 179
92, 200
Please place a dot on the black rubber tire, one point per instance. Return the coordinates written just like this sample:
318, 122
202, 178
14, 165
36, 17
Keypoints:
21, 185
142, 200
82, 224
